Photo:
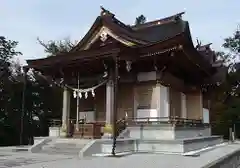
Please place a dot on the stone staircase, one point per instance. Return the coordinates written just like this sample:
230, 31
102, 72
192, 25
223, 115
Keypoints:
38, 139
64, 146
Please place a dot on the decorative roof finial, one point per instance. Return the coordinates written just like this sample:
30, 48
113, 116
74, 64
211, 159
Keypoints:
178, 16
105, 12
199, 44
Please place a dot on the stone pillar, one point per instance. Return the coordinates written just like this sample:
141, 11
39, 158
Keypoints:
183, 106
164, 102
65, 112
109, 101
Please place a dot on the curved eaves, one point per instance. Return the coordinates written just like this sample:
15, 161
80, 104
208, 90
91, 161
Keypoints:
193, 54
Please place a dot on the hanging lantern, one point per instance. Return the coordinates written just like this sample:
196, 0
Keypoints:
86, 95
80, 95
93, 94
74, 94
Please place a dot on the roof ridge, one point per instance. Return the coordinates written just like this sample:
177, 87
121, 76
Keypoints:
120, 23
112, 22
158, 22
109, 15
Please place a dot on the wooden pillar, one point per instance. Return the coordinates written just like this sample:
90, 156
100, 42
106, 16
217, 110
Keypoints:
164, 102
78, 99
158, 98
194, 105
183, 106
65, 112
109, 102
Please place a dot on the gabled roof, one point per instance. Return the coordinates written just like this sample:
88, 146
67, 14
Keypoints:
144, 39
132, 36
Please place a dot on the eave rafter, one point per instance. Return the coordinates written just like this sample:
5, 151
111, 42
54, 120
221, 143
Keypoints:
73, 57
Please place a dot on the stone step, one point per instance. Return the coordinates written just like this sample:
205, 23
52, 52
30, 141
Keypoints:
70, 141
64, 152
64, 146
61, 151
38, 139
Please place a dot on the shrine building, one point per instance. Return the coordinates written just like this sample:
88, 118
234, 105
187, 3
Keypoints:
147, 73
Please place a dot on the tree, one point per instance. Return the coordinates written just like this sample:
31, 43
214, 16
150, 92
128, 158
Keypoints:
53, 48
7, 52
47, 102
7, 49
37, 98
232, 43
226, 103
140, 20
48, 95
9, 111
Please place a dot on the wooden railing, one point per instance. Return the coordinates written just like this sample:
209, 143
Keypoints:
177, 121
55, 123
121, 123
58, 122
95, 129
85, 129
134, 121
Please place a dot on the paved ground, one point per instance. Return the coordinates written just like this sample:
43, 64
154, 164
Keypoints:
15, 159
29, 160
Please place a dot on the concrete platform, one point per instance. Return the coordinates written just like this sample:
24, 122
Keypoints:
180, 146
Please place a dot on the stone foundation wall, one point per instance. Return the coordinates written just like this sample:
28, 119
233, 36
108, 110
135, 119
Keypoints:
104, 146
167, 132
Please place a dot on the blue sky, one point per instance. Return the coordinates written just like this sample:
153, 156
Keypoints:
25, 20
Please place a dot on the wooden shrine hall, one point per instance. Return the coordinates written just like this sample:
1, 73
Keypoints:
150, 72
